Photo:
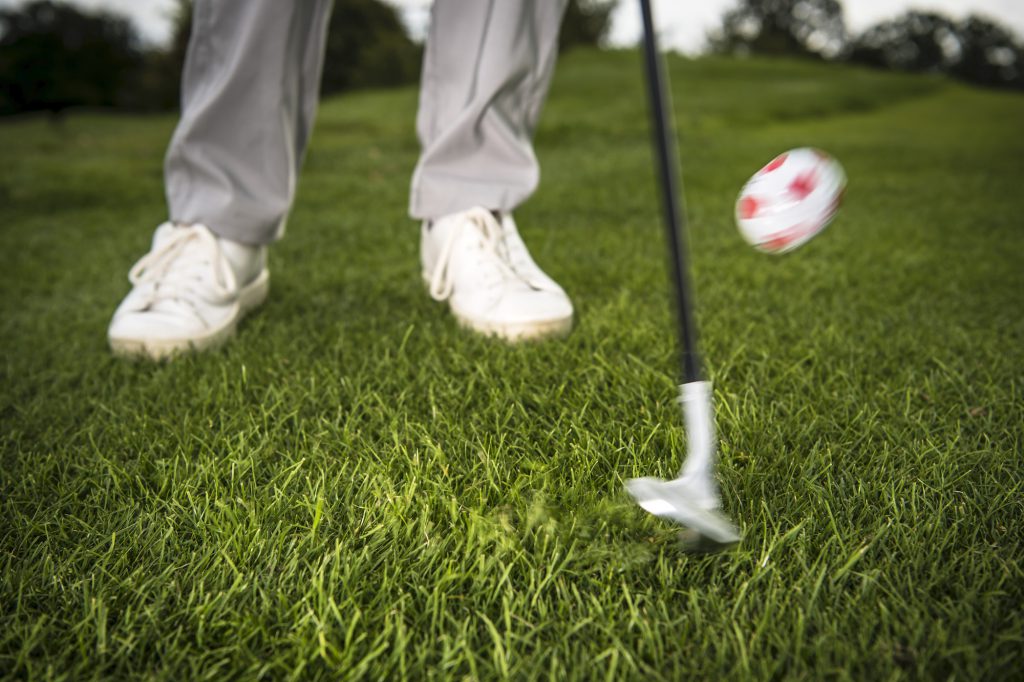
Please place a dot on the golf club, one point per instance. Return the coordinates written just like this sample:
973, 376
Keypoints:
692, 498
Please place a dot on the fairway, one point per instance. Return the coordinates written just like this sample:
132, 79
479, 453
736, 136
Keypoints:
355, 488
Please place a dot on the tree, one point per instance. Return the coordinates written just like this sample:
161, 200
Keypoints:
161, 88
783, 27
989, 54
586, 22
976, 50
916, 41
54, 56
367, 45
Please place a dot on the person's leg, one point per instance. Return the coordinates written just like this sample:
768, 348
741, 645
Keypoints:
249, 95
250, 90
486, 71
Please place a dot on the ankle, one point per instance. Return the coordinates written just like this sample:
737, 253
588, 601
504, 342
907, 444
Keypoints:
246, 260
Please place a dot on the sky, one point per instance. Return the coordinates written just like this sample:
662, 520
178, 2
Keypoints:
682, 24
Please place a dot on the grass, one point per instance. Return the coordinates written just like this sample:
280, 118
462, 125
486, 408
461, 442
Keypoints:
355, 488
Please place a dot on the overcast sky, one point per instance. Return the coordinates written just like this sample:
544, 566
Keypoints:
682, 23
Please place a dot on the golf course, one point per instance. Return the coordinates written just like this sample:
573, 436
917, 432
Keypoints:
355, 488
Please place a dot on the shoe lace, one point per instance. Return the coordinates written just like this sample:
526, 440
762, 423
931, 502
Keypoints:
519, 258
493, 252
179, 269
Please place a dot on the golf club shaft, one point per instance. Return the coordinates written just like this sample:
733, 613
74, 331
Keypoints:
675, 212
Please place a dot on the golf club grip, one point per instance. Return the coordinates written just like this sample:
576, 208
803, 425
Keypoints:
675, 215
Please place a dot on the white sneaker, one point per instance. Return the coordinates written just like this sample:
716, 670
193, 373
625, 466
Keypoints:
189, 292
477, 261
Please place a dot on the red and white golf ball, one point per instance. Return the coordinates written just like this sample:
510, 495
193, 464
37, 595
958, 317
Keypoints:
794, 197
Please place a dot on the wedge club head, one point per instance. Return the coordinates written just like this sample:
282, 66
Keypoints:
684, 501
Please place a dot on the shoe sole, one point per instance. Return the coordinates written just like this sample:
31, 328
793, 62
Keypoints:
251, 296
523, 331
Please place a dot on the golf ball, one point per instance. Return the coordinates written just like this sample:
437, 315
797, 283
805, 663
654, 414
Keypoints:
791, 199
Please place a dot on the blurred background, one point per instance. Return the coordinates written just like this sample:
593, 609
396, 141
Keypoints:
128, 54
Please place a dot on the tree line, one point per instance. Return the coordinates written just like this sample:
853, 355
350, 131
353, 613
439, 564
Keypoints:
975, 49
54, 55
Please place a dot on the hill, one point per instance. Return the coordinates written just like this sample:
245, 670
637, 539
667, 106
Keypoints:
357, 488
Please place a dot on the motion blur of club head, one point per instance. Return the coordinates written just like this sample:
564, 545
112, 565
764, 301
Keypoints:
683, 25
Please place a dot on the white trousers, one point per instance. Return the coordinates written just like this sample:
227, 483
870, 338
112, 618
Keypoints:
250, 92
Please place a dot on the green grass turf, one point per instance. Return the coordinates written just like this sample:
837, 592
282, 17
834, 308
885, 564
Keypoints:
356, 488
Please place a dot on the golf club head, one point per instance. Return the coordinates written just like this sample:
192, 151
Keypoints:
685, 501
